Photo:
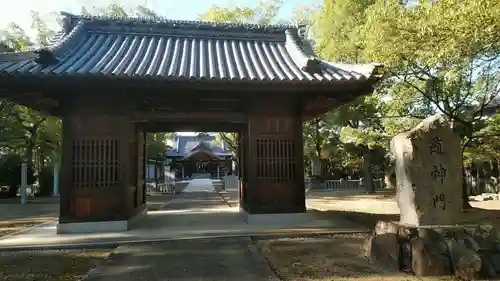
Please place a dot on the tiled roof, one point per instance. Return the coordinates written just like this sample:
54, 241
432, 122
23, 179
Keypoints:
176, 50
4, 48
495, 102
184, 145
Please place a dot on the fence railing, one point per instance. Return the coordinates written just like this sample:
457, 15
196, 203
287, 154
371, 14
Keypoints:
231, 182
342, 184
161, 187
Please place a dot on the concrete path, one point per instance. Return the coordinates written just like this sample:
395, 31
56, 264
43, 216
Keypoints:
201, 260
188, 216
12, 209
200, 185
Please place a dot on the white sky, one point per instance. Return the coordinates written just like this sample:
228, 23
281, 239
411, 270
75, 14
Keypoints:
19, 10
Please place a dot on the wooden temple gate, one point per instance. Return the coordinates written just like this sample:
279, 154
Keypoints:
112, 80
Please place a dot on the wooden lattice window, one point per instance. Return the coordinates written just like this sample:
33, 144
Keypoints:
95, 163
276, 160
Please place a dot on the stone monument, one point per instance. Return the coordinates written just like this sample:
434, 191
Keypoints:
427, 241
429, 173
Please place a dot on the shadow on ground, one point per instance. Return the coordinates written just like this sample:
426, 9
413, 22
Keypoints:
12, 209
56, 265
351, 195
209, 259
366, 220
369, 220
337, 257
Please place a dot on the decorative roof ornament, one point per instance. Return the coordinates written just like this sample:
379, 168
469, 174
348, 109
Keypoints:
67, 23
45, 58
164, 22
303, 31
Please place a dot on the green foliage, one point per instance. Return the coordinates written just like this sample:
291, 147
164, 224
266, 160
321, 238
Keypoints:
231, 139
338, 29
157, 147
486, 145
264, 13
441, 55
10, 173
43, 32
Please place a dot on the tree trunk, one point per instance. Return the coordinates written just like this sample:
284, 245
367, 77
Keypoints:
367, 170
496, 174
465, 193
44, 189
317, 138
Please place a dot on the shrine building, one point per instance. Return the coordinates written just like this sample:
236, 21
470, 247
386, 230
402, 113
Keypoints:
192, 157
112, 80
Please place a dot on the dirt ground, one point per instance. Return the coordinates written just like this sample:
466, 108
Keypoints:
57, 265
366, 209
337, 257
10, 226
342, 257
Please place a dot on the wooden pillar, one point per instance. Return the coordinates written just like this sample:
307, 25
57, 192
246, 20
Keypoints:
274, 158
243, 168
101, 178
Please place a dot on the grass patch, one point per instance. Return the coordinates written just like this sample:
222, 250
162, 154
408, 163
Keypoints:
337, 257
55, 265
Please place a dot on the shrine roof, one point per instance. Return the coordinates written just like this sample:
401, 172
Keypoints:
158, 48
186, 145
493, 106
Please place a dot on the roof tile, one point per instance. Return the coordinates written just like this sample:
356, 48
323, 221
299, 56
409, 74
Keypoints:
182, 50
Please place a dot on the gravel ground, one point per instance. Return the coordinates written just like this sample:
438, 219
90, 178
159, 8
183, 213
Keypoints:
57, 265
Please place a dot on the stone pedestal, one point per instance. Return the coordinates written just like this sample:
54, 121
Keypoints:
429, 174
468, 252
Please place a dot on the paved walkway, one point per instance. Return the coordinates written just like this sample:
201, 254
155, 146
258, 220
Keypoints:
182, 260
12, 209
200, 185
190, 215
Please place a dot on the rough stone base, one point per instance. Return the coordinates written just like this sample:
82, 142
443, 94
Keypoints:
100, 226
288, 219
467, 252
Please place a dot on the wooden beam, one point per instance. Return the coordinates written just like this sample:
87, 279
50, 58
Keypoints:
203, 116
192, 126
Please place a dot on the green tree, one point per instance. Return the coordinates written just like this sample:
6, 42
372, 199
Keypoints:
338, 37
264, 13
230, 139
156, 146
434, 54
34, 135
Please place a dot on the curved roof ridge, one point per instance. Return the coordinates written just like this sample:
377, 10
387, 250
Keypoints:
160, 20
65, 38
361, 70
304, 58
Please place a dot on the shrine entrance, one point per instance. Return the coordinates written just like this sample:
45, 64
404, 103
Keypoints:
111, 80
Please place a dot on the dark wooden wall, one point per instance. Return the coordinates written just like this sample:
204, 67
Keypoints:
103, 162
101, 176
275, 182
